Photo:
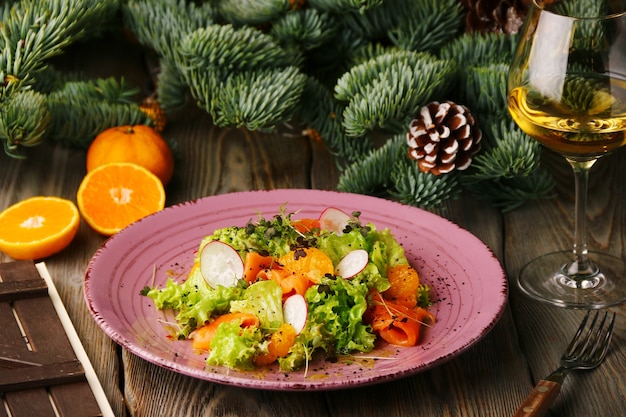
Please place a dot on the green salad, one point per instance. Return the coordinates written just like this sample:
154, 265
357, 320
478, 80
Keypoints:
279, 289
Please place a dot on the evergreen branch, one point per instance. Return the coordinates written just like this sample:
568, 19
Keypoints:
340, 6
425, 25
485, 90
49, 79
250, 12
360, 76
31, 33
325, 118
514, 154
333, 58
372, 174
35, 31
368, 52
114, 91
421, 189
306, 28
508, 173
171, 89
511, 193
388, 88
374, 23
257, 100
161, 24
24, 118
477, 49
77, 122
231, 49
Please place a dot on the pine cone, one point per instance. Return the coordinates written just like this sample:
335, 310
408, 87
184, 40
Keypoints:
498, 16
443, 138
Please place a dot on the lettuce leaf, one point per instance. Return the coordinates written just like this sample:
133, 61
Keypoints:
194, 300
334, 324
264, 300
233, 346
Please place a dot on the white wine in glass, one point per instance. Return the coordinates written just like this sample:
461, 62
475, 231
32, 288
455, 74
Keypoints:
567, 90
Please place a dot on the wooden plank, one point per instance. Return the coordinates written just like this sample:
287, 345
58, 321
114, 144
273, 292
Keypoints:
29, 403
67, 405
15, 290
50, 377
41, 376
14, 358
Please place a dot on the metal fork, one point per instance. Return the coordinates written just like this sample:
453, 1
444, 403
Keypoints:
587, 350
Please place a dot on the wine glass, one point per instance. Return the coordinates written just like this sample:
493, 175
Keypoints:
567, 90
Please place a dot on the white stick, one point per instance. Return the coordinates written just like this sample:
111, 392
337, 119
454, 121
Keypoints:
79, 350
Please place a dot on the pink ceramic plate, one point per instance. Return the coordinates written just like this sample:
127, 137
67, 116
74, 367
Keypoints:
468, 286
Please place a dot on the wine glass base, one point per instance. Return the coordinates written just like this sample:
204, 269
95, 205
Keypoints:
546, 279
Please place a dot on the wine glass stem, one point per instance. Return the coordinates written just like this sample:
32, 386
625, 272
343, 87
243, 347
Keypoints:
580, 266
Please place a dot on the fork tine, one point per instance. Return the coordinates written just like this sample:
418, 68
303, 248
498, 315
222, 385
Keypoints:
577, 337
596, 339
607, 337
592, 342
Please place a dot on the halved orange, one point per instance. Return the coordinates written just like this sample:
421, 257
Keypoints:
38, 227
112, 196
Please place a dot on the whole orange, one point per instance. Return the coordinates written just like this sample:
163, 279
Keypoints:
138, 144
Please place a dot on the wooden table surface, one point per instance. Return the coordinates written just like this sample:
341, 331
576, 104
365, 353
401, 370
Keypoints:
490, 379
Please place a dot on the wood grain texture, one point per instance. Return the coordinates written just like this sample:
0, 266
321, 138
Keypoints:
490, 379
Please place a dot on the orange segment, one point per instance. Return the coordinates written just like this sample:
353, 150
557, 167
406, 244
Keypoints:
405, 282
38, 227
112, 196
310, 262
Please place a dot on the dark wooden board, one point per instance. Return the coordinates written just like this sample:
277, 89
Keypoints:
39, 370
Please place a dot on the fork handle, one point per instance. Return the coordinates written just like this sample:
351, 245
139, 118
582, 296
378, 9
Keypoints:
539, 400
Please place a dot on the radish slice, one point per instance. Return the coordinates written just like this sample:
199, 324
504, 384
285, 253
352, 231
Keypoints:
220, 264
334, 220
295, 312
353, 263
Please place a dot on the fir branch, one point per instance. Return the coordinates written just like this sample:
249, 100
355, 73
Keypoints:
477, 49
425, 25
325, 118
79, 122
257, 100
250, 12
508, 173
31, 33
231, 49
359, 76
306, 28
339, 6
161, 24
420, 189
171, 89
35, 31
389, 88
49, 79
24, 118
513, 154
334, 57
485, 91
372, 174
374, 23
511, 193
114, 91
368, 52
